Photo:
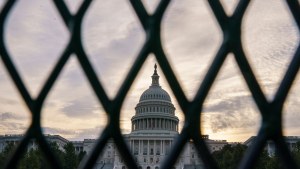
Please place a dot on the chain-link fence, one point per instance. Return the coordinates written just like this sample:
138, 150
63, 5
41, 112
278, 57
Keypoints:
271, 111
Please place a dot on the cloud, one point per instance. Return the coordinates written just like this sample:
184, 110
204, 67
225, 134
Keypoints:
230, 104
232, 113
80, 108
237, 120
9, 101
12, 127
9, 116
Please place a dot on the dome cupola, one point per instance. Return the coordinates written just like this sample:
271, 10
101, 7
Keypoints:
155, 92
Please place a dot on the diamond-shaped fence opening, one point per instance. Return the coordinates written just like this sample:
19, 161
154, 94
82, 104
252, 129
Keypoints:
73, 105
182, 35
275, 42
236, 118
26, 28
271, 111
111, 36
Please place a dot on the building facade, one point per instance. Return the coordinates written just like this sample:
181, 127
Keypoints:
16, 138
291, 142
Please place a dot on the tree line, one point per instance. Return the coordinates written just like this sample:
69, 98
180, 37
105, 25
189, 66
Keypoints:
230, 156
227, 158
34, 158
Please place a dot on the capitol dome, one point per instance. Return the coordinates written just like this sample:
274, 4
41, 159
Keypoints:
155, 92
155, 112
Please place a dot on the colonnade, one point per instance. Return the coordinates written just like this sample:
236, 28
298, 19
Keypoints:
154, 123
158, 109
151, 147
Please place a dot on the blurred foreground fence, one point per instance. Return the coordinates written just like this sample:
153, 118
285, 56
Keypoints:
271, 111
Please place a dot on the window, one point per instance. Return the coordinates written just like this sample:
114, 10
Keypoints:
145, 147
157, 160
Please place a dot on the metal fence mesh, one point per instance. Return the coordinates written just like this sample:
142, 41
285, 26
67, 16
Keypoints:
271, 111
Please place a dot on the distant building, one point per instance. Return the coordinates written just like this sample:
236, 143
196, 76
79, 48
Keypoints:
16, 138
270, 146
153, 131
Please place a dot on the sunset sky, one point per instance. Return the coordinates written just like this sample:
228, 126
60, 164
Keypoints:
113, 36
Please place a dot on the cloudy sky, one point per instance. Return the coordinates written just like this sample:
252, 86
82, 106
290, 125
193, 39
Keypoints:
112, 37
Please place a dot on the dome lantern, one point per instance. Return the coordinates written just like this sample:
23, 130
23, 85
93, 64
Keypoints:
155, 77
155, 92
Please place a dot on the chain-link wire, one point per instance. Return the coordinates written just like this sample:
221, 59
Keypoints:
271, 111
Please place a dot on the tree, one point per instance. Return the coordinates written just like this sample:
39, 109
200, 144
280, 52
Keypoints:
6, 153
229, 156
70, 157
57, 151
263, 161
35, 159
296, 153
31, 160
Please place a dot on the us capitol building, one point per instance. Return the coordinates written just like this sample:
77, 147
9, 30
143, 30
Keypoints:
153, 131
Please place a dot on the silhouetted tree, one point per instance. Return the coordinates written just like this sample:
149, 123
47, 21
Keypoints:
35, 158
70, 157
296, 153
5, 154
229, 156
